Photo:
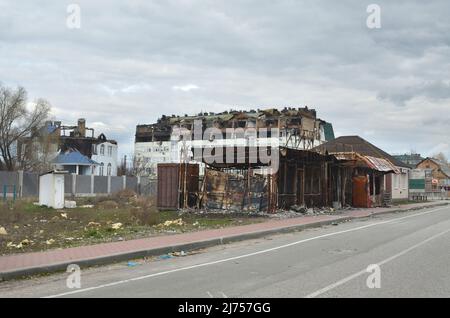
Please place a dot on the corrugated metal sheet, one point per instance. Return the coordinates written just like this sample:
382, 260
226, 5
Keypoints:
380, 164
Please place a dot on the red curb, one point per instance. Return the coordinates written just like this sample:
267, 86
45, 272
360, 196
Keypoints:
47, 259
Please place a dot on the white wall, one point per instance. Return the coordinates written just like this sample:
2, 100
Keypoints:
400, 185
106, 157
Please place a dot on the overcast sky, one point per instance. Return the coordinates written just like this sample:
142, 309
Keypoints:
132, 61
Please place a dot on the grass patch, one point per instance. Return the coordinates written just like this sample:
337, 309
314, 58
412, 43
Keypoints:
35, 228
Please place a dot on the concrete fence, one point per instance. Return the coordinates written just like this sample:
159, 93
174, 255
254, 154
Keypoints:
26, 184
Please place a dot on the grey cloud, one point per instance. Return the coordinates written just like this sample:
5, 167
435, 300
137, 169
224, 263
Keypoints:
434, 90
121, 67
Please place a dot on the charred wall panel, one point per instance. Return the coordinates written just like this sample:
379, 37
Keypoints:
229, 191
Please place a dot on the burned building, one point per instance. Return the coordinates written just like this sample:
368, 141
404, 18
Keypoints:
171, 137
376, 177
300, 178
73, 148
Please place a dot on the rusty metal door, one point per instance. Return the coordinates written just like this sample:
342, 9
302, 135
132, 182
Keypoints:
360, 195
168, 186
177, 184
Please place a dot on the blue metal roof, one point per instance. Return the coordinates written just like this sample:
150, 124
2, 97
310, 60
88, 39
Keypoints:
73, 157
50, 128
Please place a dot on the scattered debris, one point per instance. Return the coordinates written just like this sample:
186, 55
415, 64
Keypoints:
94, 224
299, 208
182, 253
26, 242
132, 264
50, 242
64, 215
12, 245
116, 226
87, 206
3, 231
166, 256
168, 223
70, 204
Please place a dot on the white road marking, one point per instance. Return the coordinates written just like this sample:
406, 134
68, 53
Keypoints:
237, 257
364, 271
209, 294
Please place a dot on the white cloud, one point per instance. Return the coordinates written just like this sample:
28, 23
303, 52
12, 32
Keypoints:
185, 88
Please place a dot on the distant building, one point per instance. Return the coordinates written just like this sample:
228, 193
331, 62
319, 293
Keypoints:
440, 172
412, 159
70, 148
163, 142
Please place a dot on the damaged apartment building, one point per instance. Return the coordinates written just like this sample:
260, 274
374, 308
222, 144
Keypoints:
72, 148
346, 171
171, 138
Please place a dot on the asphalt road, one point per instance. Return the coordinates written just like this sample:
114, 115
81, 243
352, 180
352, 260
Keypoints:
412, 250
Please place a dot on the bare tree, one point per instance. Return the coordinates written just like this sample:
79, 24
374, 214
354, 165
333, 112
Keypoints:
17, 121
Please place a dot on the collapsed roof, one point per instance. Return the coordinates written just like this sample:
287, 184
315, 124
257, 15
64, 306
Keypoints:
287, 118
356, 144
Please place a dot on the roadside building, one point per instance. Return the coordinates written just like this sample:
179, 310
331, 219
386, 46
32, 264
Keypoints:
302, 179
440, 173
390, 185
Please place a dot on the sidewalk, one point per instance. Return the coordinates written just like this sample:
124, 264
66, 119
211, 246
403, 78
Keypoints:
12, 266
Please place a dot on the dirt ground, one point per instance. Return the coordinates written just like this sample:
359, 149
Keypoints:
28, 227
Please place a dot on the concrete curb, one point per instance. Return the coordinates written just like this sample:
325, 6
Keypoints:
104, 260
